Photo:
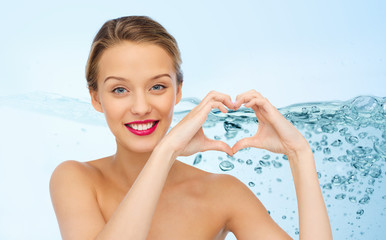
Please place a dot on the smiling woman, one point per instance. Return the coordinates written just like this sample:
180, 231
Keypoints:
143, 191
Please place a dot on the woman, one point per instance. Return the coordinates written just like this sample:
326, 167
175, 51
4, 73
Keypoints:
143, 191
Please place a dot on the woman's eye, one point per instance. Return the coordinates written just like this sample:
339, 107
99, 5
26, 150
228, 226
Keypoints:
119, 90
158, 87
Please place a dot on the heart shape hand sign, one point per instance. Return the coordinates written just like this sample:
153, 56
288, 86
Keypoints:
275, 133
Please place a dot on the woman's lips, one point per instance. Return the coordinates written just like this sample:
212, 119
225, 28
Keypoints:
142, 124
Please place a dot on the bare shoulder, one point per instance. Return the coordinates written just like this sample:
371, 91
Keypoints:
233, 201
212, 186
74, 200
247, 217
82, 172
71, 167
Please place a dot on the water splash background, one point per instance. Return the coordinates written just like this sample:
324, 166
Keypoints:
348, 139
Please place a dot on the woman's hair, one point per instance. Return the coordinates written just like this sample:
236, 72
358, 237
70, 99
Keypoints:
137, 29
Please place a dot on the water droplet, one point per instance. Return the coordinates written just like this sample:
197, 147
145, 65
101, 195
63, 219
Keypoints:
374, 139
226, 165
340, 196
284, 217
365, 105
319, 175
359, 151
380, 148
369, 190
315, 109
364, 200
371, 181
337, 143
249, 162
327, 186
240, 160
266, 157
285, 157
307, 135
276, 164
331, 159
264, 163
229, 126
251, 184
258, 170
352, 178
353, 199
336, 180
352, 139
217, 138
362, 135
278, 179
231, 134
343, 131
375, 171
343, 158
329, 128
197, 159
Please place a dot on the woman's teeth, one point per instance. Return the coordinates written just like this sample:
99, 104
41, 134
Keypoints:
142, 127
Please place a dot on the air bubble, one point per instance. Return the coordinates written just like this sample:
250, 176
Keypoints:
226, 166
258, 170
276, 164
364, 200
340, 196
197, 159
337, 143
266, 157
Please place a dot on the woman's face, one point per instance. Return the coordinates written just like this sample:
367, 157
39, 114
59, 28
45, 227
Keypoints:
136, 82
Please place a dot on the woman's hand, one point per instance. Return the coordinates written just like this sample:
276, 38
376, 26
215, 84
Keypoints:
274, 133
187, 137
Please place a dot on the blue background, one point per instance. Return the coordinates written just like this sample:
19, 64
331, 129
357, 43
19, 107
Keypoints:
290, 51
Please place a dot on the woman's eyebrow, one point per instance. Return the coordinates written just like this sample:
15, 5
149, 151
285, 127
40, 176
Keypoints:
160, 75
152, 78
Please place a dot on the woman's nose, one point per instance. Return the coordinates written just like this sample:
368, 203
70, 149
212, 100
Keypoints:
140, 104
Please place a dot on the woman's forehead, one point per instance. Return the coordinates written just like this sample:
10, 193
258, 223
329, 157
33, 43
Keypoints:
135, 59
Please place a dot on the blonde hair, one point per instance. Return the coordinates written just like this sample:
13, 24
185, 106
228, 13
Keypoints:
137, 29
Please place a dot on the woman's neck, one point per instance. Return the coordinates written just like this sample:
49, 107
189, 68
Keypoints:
128, 164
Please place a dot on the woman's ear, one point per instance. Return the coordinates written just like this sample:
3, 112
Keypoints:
95, 101
179, 93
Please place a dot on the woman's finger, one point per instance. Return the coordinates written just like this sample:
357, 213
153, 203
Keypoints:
212, 100
246, 97
216, 145
218, 97
245, 143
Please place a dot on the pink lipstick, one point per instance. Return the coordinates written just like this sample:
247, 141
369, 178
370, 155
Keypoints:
138, 132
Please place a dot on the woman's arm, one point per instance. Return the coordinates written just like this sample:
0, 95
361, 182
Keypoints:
313, 219
277, 134
132, 219
75, 202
